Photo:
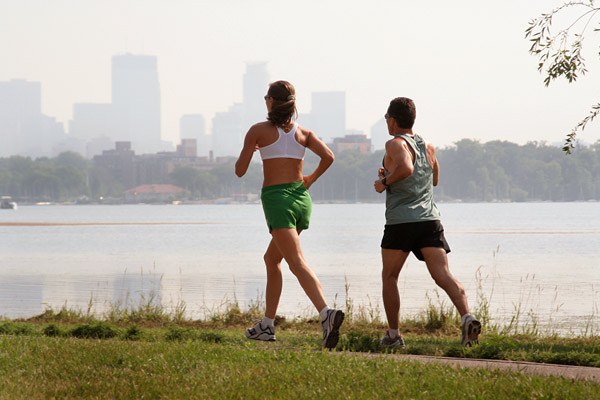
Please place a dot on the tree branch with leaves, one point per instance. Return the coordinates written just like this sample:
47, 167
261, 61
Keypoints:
559, 53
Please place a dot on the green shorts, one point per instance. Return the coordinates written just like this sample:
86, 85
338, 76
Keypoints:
286, 206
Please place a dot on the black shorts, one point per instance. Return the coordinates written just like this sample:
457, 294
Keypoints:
413, 236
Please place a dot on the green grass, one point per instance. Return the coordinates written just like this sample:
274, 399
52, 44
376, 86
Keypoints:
147, 352
223, 365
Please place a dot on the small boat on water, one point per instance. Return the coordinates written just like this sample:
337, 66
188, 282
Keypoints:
7, 203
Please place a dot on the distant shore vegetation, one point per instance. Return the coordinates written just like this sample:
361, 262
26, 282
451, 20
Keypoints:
471, 171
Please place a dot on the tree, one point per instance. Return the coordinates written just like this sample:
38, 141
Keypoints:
560, 53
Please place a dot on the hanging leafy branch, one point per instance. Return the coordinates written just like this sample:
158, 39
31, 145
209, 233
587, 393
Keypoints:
559, 54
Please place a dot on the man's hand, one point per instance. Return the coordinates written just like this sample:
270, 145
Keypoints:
379, 187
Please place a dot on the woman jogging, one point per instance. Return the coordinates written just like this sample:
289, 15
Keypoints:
287, 205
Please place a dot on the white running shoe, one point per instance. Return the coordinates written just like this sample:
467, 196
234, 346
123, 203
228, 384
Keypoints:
392, 343
331, 328
260, 332
471, 330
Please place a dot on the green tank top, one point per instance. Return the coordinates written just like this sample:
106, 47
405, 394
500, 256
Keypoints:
411, 199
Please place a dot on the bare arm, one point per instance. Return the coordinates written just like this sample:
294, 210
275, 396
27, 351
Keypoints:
318, 147
434, 163
250, 145
401, 165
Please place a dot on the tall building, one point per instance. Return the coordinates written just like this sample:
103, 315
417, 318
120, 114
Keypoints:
256, 84
229, 127
20, 115
328, 114
136, 101
193, 126
379, 135
24, 130
227, 131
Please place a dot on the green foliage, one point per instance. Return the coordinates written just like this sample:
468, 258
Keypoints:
493, 348
96, 330
471, 171
567, 358
133, 333
504, 171
53, 330
360, 341
12, 328
559, 53
177, 333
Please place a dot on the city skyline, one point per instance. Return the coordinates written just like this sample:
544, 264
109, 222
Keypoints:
133, 115
466, 65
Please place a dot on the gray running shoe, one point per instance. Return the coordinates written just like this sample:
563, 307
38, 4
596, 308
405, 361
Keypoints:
392, 343
471, 330
260, 332
331, 328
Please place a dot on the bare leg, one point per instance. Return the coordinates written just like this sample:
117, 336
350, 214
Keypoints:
288, 243
437, 264
273, 259
393, 261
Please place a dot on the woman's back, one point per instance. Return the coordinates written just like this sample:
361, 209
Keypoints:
282, 158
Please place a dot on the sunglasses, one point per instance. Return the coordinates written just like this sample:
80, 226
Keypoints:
267, 97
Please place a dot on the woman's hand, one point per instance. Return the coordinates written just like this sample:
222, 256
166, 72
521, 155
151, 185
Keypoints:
307, 181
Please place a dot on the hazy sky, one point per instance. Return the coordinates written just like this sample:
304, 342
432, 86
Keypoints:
464, 63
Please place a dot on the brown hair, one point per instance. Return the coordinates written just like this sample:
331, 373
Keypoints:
284, 103
404, 111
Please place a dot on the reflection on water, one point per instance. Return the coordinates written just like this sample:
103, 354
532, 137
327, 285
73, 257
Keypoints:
520, 258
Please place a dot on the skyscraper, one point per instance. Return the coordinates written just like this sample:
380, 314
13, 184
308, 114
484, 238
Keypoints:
227, 131
379, 135
328, 114
136, 101
20, 115
24, 130
229, 128
256, 82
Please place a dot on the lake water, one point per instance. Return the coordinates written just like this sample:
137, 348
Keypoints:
540, 259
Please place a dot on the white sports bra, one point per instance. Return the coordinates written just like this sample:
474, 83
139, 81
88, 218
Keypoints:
286, 146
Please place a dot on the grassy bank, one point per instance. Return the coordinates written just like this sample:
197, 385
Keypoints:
34, 367
150, 353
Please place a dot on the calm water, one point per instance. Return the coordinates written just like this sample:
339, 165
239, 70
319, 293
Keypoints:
541, 258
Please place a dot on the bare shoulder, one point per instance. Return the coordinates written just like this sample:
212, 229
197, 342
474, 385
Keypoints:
304, 131
430, 148
262, 131
261, 126
396, 143
305, 135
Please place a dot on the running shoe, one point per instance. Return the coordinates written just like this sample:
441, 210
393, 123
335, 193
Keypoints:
259, 332
331, 328
392, 343
470, 331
